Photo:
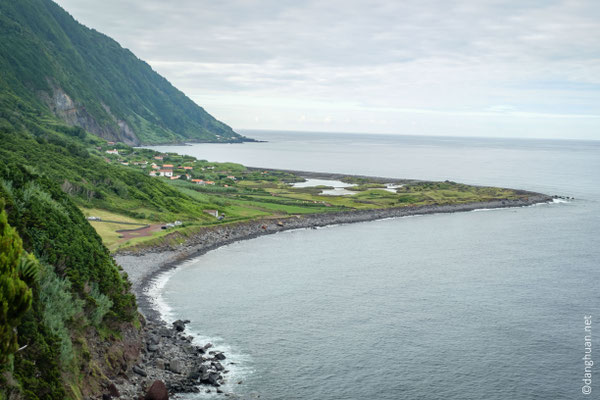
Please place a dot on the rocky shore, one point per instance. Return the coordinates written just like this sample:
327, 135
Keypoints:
169, 356
170, 363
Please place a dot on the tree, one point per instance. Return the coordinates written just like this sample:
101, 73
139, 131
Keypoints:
15, 295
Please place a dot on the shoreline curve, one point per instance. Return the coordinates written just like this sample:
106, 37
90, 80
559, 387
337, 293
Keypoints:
145, 265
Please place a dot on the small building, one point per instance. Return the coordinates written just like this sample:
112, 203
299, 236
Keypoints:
125, 163
153, 173
199, 181
165, 172
188, 168
210, 182
113, 151
158, 158
214, 213
168, 166
231, 177
175, 177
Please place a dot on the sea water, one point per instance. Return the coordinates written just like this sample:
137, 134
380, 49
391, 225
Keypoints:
475, 305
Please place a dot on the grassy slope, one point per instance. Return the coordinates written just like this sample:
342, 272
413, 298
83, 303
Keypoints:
43, 46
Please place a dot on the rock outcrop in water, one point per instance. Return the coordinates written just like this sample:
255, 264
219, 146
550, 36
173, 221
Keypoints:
171, 363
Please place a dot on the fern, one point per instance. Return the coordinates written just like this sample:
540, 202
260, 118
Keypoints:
28, 269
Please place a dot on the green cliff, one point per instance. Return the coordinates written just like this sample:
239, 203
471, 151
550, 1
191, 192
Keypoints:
51, 62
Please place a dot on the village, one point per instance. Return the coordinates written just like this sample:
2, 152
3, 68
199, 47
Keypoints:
173, 166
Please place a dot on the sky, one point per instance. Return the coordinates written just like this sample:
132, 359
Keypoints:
522, 68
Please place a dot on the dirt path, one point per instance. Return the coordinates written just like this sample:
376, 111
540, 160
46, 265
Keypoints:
147, 230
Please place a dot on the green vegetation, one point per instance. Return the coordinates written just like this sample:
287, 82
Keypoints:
79, 292
45, 54
15, 296
59, 285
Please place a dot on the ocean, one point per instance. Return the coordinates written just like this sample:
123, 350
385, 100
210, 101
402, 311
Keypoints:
479, 305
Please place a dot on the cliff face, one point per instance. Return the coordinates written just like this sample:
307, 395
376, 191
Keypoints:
57, 65
61, 105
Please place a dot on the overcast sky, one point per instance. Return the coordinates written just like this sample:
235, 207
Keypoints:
469, 68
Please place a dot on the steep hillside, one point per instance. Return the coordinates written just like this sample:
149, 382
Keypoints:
56, 65
82, 325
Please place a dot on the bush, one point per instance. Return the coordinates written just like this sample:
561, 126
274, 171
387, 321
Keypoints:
59, 307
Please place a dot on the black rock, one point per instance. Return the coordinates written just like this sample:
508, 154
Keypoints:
214, 378
179, 325
139, 371
220, 356
217, 365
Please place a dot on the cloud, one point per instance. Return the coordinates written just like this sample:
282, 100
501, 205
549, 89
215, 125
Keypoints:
464, 61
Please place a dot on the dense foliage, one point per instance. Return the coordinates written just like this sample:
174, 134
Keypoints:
43, 51
79, 286
15, 296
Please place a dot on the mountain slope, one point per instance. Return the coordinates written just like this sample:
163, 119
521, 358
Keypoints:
87, 79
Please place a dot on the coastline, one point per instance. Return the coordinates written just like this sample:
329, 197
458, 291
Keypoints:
169, 354
144, 265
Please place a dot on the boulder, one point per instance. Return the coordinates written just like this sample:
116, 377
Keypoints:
217, 365
214, 378
220, 356
176, 366
203, 368
139, 371
153, 348
204, 377
158, 391
165, 332
179, 325
113, 391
